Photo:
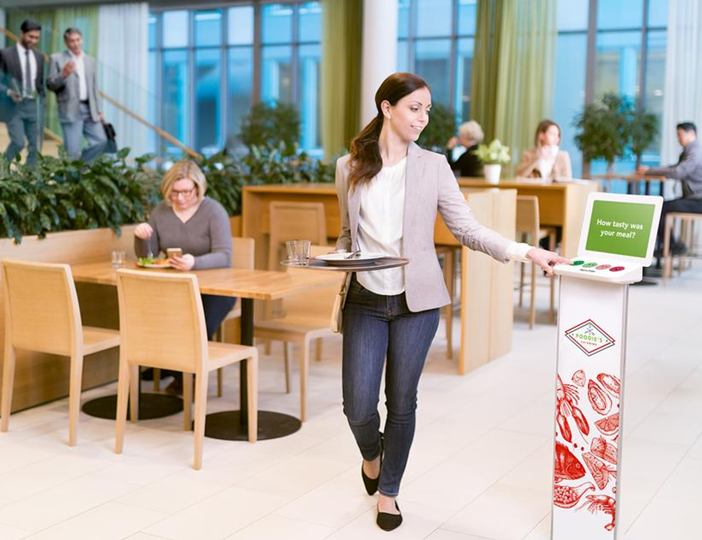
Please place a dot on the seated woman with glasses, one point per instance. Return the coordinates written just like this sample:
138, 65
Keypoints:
196, 224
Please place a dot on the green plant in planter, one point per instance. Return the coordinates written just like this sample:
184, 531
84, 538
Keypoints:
493, 154
642, 131
67, 194
269, 164
268, 122
225, 180
441, 127
602, 128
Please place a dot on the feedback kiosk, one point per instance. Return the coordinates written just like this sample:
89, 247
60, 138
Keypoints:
616, 242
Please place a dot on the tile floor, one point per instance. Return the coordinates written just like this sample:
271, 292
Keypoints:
480, 468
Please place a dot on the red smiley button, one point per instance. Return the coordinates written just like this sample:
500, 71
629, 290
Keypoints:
603, 267
616, 269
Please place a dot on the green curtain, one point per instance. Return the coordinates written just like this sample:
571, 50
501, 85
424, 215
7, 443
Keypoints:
342, 32
53, 23
484, 74
515, 62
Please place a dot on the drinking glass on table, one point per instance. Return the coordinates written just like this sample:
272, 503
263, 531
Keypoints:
119, 258
299, 251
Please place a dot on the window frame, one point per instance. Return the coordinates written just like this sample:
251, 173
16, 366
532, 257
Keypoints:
257, 46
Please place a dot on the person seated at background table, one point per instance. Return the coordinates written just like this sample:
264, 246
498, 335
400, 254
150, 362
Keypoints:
689, 170
197, 224
470, 134
546, 160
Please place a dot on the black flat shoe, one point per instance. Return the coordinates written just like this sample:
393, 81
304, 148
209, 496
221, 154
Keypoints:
389, 522
371, 484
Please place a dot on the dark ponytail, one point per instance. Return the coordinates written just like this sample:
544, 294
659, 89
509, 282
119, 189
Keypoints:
366, 161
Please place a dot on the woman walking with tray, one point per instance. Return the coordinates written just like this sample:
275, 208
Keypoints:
389, 193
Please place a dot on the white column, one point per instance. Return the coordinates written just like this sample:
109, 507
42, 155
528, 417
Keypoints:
379, 51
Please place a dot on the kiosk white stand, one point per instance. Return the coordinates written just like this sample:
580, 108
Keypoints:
616, 242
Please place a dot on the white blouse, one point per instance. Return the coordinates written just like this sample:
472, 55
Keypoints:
380, 226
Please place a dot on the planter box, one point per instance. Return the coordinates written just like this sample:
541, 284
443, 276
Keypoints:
42, 377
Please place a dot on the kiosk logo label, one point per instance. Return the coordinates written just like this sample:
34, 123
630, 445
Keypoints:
590, 338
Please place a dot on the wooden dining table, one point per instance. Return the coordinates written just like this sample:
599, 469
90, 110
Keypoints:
248, 285
633, 180
561, 204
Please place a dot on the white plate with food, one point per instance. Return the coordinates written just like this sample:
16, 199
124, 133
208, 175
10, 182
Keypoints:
149, 262
355, 258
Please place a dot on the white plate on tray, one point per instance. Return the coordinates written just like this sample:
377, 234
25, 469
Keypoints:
339, 259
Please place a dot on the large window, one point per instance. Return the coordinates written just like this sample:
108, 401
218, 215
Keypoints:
628, 58
210, 65
435, 40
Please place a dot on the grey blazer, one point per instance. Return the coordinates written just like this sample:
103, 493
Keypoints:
429, 186
68, 89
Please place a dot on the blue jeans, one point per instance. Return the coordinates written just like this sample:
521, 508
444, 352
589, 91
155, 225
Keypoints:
374, 327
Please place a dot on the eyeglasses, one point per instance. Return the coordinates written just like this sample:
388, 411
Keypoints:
184, 192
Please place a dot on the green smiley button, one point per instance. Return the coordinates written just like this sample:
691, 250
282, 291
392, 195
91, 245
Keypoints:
578, 263
589, 265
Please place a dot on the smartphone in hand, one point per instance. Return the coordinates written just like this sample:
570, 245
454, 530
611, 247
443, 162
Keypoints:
174, 252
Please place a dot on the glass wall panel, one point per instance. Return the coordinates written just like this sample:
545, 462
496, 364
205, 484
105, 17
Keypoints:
467, 13
153, 28
176, 97
152, 113
276, 76
176, 32
658, 13
433, 63
571, 56
403, 19
619, 14
434, 18
208, 28
618, 63
310, 25
277, 23
573, 15
655, 86
207, 100
403, 56
241, 25
310, 94
240, 75
464, 67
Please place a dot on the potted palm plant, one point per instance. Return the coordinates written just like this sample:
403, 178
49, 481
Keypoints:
493, 157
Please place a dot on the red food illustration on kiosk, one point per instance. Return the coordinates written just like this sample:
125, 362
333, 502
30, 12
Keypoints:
608, 426
610, 383
579, 378
566, 405
603, 449
599, 470
600, 401
566, 465
568, 497
601, 503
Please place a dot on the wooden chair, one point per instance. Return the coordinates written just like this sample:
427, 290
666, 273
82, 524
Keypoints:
162, 325
687, 236
306, 318
290, 220
42, 314
528, 228
448, 253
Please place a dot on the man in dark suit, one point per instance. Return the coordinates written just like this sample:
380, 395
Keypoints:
22, 91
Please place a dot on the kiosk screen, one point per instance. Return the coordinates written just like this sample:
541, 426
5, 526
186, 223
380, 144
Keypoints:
621, 228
